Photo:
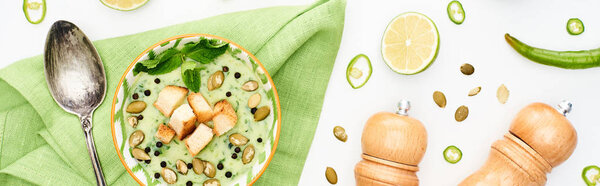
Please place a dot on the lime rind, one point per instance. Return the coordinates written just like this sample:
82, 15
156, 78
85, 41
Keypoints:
456, 13
437, 47
590, 175
575, 26
122, 9
362, 63
452, 154
27, 11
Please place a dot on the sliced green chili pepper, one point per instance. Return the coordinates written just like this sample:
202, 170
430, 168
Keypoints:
452, 154
575, 26
28, 6
456, 13
562, 59
591, 179
355, 75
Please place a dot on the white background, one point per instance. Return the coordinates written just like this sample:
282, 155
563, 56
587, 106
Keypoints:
479, 41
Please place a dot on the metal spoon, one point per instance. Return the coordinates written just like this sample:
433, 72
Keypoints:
76, 79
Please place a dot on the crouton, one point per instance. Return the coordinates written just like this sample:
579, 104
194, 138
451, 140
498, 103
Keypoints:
225, 117
164, 133
183, 121
170, 98
196, 141
201, 107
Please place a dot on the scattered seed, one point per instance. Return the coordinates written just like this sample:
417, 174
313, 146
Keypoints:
157, 81
254, 100
439, 98
159, 144
340, 133
135, 96
197, 166
467, 69
248, 154
215, 80
209, 169
259, 140
156, 153
474, 91
220, 166
182, 167
136, 107
169, 175
140, 154
133, 121
262, 113
147, 161
190, 165
238, 139
140, 117
331, 175
237, 75
225, 69
147, 92
136, 138
147, 149
250, 86
253, 110
228, 174
237, 149
156, 175
228, 94
163, 164
234, 156
211, 182
189, 183
502, 94
461, 113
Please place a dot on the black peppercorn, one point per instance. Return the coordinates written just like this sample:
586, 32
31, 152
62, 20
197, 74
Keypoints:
135, 96
163, 164
156, 153
147, 149
237, 149
147, 92
190, 165
253, 110
156, 175
237, 75
228, 174
228, 94
230, 145
225, 69
220, 166
189, 183
147, 161
159, 144
157, 81
259, 140
140, 117
234, 156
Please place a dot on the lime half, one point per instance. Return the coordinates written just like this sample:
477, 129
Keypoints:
410, 43
124, 5
359, 71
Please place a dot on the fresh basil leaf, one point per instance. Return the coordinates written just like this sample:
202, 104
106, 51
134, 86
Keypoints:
165, 67
139, 68
206, 55
191, 79
151, 63
165, 55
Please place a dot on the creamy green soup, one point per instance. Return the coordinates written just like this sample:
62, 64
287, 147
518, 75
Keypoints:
220, 152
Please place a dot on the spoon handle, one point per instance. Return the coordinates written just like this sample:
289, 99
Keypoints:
86, 124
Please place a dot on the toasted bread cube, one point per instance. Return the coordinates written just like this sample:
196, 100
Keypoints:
170, 98
224, 106
223, 123
201, 108
196, 141
164, 133
183, 121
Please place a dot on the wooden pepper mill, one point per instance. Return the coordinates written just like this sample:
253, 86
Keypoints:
393, 144
540, 138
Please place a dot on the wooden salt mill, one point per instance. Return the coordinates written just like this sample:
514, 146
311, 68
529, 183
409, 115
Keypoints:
393, 144
540, 138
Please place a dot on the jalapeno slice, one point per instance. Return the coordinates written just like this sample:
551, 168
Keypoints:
359, 71
456, 13
575, 26
591, 175
452, 154
35, 9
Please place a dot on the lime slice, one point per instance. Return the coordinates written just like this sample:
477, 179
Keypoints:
575, 26
359, 71
35, 10
410, 43
456, 13
124, 5
452, 154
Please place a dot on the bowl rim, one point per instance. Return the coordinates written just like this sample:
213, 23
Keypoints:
132, 64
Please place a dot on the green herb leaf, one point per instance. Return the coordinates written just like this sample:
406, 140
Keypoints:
151, 63
151, 54
139, 68
206, 55
215, 43
167, 54
188, 47
167, 66
191, 79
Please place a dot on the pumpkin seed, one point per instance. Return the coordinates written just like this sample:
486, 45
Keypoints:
211, 182
197, 166
215, 80
467, 69
250, 86
182, 167
254, 100
262, 113
474, 91
133, 121
209, 169
340, 133
439, 98
136, 138
238, 139
502, 94
169, 175
248, 154
140, 154
461, 113
331, 175
136, 107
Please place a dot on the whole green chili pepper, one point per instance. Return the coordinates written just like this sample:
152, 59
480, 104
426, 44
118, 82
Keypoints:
562, 59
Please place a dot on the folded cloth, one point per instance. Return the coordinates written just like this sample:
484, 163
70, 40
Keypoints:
41, 144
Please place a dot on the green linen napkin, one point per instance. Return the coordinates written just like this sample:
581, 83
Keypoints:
41, 144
